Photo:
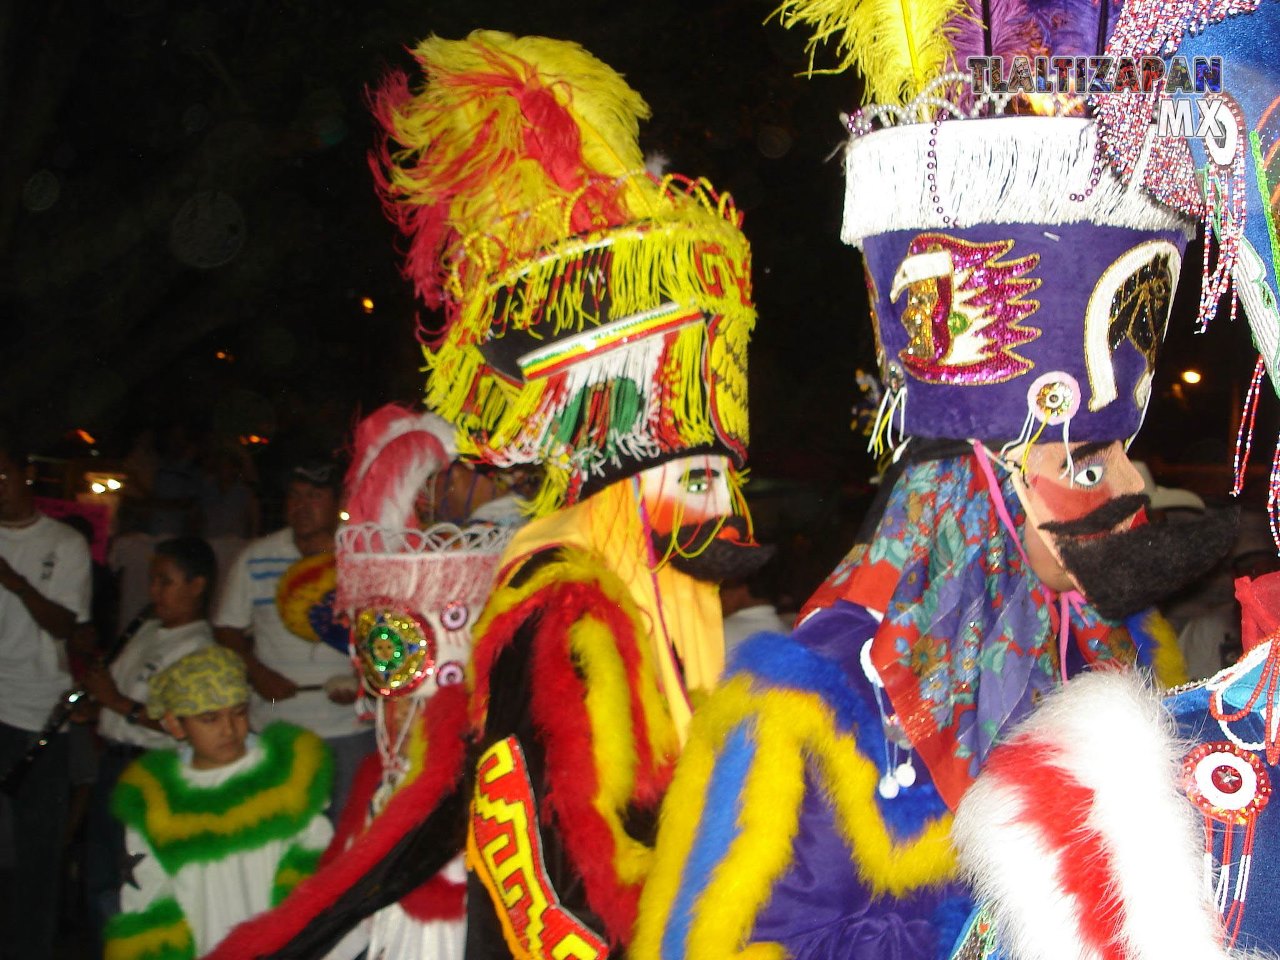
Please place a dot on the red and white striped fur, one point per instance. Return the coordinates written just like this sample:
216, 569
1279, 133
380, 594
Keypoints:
1080, 837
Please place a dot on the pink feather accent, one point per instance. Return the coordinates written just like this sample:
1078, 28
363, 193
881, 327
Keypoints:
396, 452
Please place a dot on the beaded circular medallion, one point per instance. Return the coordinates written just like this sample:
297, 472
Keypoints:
1226, 783
396, 651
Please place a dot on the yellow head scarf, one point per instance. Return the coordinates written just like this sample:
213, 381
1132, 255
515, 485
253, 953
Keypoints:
209, 679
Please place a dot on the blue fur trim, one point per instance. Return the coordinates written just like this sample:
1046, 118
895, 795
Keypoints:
913, 809
774, 660
716, 832
1143, 641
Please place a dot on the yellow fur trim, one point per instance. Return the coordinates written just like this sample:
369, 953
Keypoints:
609, 693
613, 744
172, 940
682, 812
676, 611
576, 566
163, 825
1167, 662
792, 731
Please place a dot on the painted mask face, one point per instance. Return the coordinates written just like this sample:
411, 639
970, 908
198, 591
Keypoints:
698, 520
1086, 502
1067, 486
401, 653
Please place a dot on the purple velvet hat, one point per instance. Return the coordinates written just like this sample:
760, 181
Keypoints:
1019, 289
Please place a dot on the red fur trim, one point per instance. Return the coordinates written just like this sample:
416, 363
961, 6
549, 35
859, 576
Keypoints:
355, 815
445, 718
558, 708
558, 704
1057, 806
437, 899
489, 647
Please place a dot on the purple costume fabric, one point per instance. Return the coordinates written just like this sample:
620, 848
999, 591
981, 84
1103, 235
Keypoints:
1027, 295
820, 908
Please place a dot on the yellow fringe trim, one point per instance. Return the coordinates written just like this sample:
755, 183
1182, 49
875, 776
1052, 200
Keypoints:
790, 729
165, 825
696, 261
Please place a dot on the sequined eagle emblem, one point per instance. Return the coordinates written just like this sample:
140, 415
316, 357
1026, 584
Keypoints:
964, 310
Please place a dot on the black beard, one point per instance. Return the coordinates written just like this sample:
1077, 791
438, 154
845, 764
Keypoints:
1122, 573
714, 559
1103, 519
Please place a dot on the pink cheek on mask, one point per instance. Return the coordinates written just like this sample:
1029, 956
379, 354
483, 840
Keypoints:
1065, 503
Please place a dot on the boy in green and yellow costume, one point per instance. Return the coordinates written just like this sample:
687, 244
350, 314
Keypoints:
223, 828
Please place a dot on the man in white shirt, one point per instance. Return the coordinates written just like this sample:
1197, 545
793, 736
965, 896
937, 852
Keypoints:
289, 673
45, 587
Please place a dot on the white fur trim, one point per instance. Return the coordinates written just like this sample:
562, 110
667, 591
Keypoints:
996, 170
1013, 869
1110, 734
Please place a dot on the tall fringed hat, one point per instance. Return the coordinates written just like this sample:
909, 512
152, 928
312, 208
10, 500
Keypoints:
1020, 285
410, 593
596, 317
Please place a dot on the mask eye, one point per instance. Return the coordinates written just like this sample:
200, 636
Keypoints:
450, 674
1089, 476
698, 482
454, 616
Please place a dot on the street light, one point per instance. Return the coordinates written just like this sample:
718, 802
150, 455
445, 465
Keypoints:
1191, 376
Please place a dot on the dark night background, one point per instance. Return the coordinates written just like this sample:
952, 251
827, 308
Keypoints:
183, 179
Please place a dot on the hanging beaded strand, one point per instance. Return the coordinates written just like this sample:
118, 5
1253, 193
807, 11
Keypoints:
1244, 436
1269, 685
1273, 496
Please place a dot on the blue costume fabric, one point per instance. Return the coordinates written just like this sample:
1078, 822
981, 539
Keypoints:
1194, 711
820, 906
777, 832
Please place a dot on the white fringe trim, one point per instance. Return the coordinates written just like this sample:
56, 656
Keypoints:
421, 570
992, 170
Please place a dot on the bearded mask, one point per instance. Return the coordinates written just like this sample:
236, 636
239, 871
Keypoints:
1086, 503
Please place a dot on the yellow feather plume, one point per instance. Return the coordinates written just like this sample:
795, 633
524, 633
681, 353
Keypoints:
897, 45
